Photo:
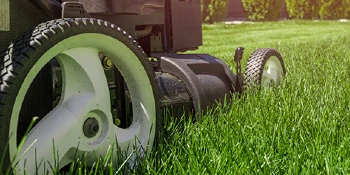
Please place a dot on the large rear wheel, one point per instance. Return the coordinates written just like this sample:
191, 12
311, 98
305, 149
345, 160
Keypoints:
82, 120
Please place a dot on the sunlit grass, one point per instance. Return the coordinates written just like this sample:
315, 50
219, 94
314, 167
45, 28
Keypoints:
302, 127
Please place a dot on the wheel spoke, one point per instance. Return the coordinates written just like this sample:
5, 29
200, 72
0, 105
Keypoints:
82, 72
50, 139
137, 133
85, 89
126, 136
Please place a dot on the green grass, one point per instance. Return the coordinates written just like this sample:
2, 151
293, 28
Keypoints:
303, 127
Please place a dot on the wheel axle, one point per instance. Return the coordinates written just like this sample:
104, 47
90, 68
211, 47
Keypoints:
91, 127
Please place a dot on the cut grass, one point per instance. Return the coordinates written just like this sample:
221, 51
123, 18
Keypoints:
302, 127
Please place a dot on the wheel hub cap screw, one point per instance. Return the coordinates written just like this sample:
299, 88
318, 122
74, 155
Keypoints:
107, 63
117, 122
91, 127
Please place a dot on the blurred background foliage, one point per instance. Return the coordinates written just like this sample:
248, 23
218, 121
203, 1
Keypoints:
270, 10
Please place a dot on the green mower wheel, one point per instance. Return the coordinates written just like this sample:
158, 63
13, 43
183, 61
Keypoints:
82, 121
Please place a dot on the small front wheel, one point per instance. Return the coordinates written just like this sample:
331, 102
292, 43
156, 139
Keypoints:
265, 68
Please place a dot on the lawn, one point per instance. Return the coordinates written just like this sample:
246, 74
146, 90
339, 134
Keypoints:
302, 127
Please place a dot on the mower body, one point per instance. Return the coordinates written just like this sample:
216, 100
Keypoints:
83, 72
188, 83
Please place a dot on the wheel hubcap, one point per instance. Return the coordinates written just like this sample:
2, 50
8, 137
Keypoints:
272, 73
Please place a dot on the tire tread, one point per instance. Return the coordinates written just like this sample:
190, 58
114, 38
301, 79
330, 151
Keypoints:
16, 60
255, 66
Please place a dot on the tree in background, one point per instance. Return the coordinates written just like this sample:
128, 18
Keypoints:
269, 10
335, 9
214, 10
303, 9
263, 10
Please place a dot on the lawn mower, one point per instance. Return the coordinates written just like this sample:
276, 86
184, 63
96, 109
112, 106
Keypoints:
82, 77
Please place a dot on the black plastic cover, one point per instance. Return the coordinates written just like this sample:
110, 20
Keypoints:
139, 7
183, 25
174, 96
208, 79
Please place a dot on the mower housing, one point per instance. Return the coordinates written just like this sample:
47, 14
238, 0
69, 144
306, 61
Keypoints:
162, 27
